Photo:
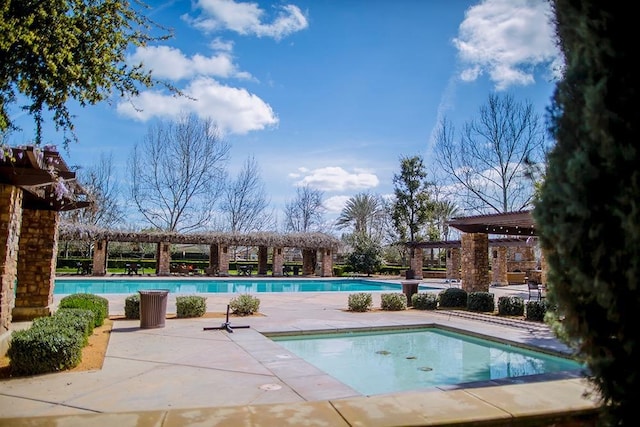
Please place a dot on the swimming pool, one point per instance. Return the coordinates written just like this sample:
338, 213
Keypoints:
216, 286
391, 361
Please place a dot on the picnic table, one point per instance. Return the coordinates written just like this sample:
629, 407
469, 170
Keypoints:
83, 268
244, 270
132, 268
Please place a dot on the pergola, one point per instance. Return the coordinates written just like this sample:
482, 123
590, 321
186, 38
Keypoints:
219, 242
35, 185
469, 255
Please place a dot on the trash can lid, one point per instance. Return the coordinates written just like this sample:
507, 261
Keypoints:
153, 291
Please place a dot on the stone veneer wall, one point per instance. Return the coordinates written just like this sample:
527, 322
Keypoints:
453, 264
499, 265
223, 260
278, 262
527, 259
100, 252
327, 263
163, 257
36, 264
475, 262
10, 224
415, 263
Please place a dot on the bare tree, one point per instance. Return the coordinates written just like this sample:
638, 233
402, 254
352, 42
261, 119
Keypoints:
490, 161
305, 212
244, 203
177, 173
100, 184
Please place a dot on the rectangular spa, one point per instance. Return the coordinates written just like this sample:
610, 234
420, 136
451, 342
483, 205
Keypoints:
396, 360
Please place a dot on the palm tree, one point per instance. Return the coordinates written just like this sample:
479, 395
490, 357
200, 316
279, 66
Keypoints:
443, 212
360, 212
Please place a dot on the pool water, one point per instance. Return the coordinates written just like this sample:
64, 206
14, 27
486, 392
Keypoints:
196, 285
393, 361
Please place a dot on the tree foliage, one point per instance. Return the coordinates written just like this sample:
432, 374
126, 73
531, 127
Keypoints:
177, 173
364, 213
412, 207
587, 213
54, 51
490, 159
366, 256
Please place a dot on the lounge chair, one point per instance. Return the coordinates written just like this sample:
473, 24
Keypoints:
535, 289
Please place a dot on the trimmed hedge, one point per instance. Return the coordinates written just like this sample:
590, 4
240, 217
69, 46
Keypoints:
190, 306
99, 305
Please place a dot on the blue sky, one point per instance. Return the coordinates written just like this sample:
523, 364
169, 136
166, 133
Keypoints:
326, 93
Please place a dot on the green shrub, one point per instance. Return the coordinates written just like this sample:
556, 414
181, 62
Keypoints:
244, 305
396, 301
132, 306
483, 302
452, 298
191, 306
511, 306
424, 301
361, 301
536, 310
99, 305
77, 318
48, 347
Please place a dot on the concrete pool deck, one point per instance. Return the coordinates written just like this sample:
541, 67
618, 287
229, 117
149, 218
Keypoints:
183, 375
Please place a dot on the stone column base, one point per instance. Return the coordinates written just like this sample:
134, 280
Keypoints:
20, 314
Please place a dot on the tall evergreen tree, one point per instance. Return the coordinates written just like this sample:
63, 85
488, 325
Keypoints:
587, 214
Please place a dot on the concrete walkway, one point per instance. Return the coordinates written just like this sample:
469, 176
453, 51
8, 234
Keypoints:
184, 375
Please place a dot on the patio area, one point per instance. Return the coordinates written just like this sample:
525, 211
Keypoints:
183, 375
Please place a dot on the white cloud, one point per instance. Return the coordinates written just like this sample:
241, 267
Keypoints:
332, 178
335, 204
234, 110
508, 39
170, 63
248, 18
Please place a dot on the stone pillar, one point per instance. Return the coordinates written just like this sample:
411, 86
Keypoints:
308, 262
36, 264
100, 258
327, 263
263, 260
475, 262
163, 258
499, 266
10, 224
415, 263
453, 264
223, 260
278, 262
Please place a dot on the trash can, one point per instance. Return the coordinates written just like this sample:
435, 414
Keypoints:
409, 288
153, 308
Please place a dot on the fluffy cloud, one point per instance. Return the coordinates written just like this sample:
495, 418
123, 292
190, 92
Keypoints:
170, 63
234, 110
248, 18
508, 39
335, 204
333, 178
